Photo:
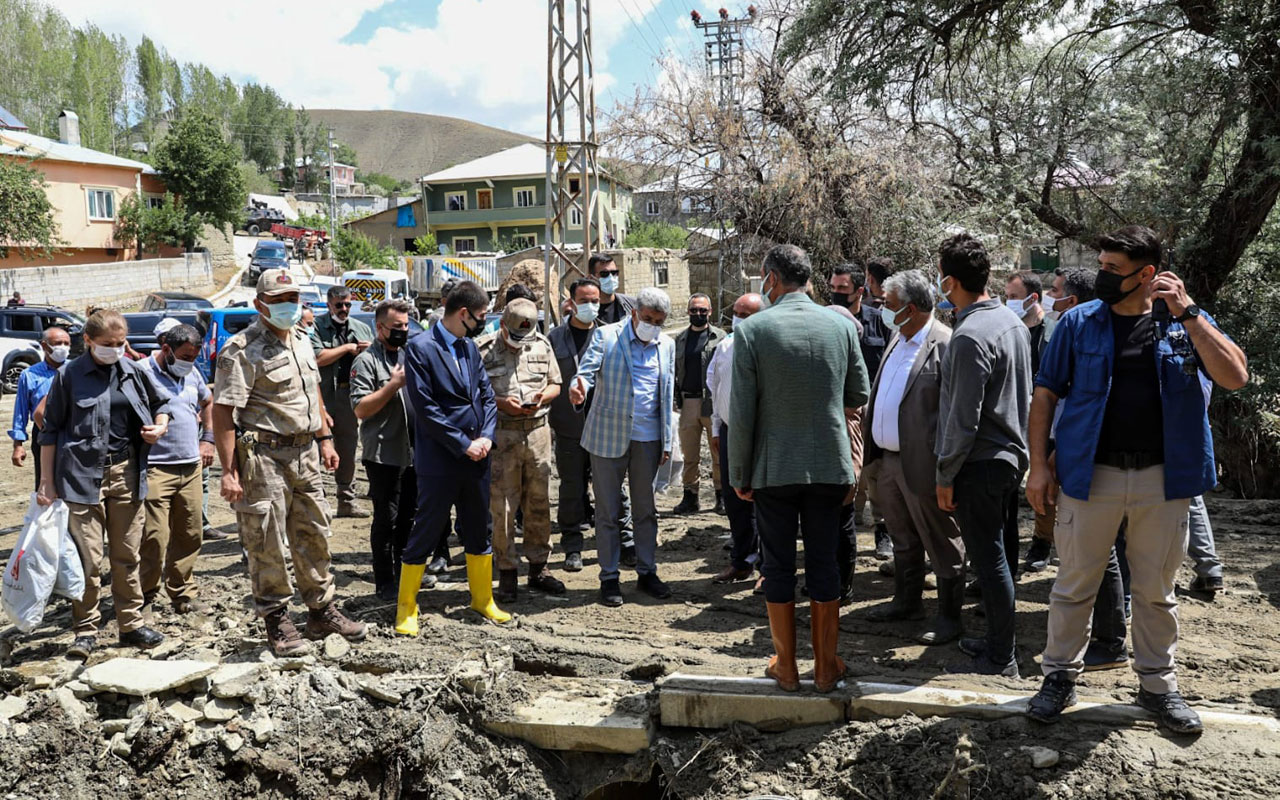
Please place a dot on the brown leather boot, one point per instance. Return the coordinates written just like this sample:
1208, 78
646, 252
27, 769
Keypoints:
283, 636
824, 624
324, 621
782, 666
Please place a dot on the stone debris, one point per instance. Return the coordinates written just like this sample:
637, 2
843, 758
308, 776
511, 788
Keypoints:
262, 729
120, 745
220, 710
80, 689
1042, 757
71, 706
375, 689
113, 726
182, 712
335, 647
231, 742
142, 677
11, 707
235, 680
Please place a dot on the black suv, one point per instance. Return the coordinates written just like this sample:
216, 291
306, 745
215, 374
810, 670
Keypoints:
20, 330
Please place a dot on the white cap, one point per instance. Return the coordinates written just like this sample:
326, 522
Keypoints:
165, 325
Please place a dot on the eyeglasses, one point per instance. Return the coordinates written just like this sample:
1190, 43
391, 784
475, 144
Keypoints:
608, 273
342, 305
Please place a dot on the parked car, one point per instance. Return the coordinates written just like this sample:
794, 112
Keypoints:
142, 326
310, 295
266, 255
20, 330
220, 324
174, 301
260, 220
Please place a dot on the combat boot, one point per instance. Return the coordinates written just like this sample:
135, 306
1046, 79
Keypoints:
323, 621
719, 509
283, 636
688, 504
508, 584
540, 578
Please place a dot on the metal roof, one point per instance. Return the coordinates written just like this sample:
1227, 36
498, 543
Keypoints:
18, 143
527, 160
8, 120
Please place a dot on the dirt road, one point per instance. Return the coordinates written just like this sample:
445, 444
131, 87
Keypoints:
428, 745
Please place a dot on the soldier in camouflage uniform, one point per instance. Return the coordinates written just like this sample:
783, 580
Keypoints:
267, 417
526, 377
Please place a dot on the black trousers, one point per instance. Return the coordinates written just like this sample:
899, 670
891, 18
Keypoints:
574, 510
1109, 627
1011, 529
744, 539
466, 491
982, 496
812, 510
394, 493
35, 453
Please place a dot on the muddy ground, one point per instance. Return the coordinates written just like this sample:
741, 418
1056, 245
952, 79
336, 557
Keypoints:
396, 717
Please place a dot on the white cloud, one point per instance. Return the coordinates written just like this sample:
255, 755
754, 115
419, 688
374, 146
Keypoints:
483, 60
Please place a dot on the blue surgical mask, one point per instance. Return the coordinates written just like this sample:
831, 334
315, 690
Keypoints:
943, 303
765, 302
284, 315
609, 284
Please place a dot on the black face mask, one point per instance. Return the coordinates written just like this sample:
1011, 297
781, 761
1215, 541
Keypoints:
397, 337
840, 299
698, 320
478, 329
1107, 286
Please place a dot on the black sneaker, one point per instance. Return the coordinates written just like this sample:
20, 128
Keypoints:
82, 647
653, 586
972, 646
143, 637
1174, 713
884, 543
1037, 559
573, 562
438, 564
628, 558
1058, 692
610, 593
1097, 657
982, 665
1206, 585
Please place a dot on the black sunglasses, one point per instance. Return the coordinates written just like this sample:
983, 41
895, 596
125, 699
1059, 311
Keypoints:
342, 305
605, 273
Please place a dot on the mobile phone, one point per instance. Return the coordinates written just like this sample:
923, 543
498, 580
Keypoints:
1160, 312
528, 405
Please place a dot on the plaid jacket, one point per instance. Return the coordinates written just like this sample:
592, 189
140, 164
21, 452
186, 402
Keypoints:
606, 366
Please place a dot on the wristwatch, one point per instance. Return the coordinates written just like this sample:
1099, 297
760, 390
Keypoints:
1193, 310
324, 438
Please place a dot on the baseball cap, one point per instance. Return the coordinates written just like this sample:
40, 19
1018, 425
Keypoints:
276, 281
520, 318
164, 326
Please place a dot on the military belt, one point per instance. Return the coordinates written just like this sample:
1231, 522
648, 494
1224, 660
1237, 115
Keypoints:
278, 440
522, 424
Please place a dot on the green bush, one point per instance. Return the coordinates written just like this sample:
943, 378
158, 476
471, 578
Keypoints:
655, 234
356, 251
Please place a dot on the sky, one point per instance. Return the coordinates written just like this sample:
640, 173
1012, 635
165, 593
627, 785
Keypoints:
482, 60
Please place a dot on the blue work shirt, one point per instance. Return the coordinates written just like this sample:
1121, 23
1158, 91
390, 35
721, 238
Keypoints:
1077, 365
181, 442
33, 385
646, 422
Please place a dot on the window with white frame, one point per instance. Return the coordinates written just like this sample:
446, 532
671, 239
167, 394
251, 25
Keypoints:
455, 201
155, 201
102, 203
525, 196
651, 208
575, 216
660, 273
464, 244
525, 240
686, 205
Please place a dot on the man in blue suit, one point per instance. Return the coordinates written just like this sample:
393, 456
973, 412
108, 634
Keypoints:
454, 421
631, 366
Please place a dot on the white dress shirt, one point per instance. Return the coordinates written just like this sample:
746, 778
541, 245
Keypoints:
893, 385
720, 381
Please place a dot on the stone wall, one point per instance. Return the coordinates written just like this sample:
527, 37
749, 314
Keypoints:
120, 284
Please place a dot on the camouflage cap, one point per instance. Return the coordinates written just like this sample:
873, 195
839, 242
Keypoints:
520, 318
276, 281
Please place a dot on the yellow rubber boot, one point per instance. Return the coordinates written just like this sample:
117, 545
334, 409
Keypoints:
407, 604
480, 579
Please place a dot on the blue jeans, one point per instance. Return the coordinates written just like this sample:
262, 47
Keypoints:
1200, 544
982, 497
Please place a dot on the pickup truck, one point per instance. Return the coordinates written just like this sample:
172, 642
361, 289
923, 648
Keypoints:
20, 330
142, 326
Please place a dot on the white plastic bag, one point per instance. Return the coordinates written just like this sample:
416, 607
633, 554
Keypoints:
32, 569
70, 580
669, 473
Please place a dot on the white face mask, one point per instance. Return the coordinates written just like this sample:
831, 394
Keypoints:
609, 284
587, 312
59, 352
647, 331
738, 321
107, 355
765, 302
1020, 307
888, 318
1049, 312
180, 368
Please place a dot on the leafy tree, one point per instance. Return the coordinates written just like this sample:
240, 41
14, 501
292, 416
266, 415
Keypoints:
27, 223
202, 167
655, 234
150, 69
309, 139
148, 228
254, 181
355, 250
344, 154
388, 183
96, 89
426, 245
262, 123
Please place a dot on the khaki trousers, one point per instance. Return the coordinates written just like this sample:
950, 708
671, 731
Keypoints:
171, 534
284, 503
916, 524
118, 519
1156, 541
346, 436
520, 478
692, 428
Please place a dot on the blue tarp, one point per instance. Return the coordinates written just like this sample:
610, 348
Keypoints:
404, 217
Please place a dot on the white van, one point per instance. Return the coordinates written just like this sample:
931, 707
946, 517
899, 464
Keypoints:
372, 286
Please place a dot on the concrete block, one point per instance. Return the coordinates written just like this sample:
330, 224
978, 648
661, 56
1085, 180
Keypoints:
707, 701
594, 718
142, 677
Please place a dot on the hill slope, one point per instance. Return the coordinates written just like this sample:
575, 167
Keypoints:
407, 146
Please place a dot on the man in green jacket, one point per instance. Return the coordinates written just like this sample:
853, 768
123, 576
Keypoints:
797, 375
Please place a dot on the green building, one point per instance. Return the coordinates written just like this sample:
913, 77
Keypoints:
498, 202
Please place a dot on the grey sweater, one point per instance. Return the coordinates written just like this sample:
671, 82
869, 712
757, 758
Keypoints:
986, 391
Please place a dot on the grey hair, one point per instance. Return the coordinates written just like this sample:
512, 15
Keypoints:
44, 337
912, 288
654, 299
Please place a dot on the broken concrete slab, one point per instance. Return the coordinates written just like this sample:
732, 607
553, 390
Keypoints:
708, 701
375, 689
142, 677
595, 716
11, 707
71, 706
221, 710
182, 712
236, 679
